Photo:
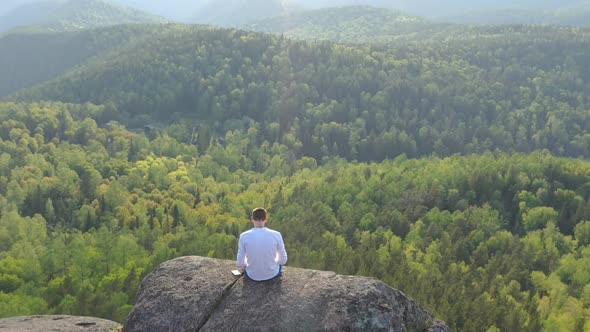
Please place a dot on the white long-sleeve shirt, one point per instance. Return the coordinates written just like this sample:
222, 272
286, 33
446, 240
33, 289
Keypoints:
261, 251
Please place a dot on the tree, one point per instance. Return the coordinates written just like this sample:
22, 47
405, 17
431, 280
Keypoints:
539, 217
582, 233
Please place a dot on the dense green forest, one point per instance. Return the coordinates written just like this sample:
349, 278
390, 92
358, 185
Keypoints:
32, 57
353, 24
514, 88
449, 161
361, 24
498, 241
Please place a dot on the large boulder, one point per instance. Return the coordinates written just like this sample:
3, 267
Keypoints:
62, 323
201, 294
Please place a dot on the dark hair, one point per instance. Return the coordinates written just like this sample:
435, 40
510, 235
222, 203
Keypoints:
259, 214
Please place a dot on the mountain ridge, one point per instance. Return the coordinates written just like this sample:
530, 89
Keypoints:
184, 10
29, 57
349, 24
576, 16
452, 94
71, 15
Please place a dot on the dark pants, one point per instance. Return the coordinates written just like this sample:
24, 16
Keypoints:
275, 277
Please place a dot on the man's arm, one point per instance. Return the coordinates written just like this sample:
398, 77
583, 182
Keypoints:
281, 257
241, 254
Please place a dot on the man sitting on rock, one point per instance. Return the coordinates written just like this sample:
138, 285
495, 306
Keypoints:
261, 251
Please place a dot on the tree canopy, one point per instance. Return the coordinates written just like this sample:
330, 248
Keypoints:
494, 240
495, 88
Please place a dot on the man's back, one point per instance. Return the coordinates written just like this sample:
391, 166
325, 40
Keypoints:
261, 250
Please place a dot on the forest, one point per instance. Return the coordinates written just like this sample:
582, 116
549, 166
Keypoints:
362, 24
493, 88
30, 56
353, 24
497, 240
452, 165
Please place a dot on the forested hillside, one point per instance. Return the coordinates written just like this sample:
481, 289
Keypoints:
353, 24
71, 15
462, 9
29, 58
487, 242
514, 88
572, 16
362, 24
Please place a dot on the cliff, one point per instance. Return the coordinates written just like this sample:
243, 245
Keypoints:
200, 294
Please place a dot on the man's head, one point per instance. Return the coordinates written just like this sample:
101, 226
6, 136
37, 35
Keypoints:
259, 217
259, 214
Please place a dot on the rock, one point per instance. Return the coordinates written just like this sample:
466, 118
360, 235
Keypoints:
200, 294
62, 323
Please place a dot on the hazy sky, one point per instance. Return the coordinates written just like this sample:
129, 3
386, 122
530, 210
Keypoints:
185, 9
181, 8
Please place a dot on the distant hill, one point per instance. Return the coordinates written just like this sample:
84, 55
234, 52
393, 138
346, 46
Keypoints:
366, 24
177, 10
353, 24
460, 90
237, 12
72, 15
28, 58
437, 8
574, 16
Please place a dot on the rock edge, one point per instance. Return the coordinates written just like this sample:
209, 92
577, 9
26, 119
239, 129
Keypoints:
62, 323
194, 293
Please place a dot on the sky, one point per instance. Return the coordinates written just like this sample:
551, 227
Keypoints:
179, 9
184, 10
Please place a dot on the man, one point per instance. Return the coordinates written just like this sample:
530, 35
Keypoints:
261, 251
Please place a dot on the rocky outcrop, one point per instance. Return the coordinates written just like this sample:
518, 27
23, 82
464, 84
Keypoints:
62, 323
200, 294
